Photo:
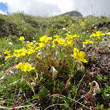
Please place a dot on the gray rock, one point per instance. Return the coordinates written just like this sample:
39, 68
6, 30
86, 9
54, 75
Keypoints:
72, 13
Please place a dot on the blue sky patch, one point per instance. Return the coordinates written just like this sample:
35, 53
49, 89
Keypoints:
3, 6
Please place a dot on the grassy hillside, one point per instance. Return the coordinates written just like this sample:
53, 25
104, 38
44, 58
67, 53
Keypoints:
60, 62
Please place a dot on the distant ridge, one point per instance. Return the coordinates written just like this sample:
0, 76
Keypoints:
72, 13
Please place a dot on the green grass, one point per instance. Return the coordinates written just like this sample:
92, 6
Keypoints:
32, 28
42, 85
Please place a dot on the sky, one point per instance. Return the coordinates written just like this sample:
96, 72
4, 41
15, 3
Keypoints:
55, 7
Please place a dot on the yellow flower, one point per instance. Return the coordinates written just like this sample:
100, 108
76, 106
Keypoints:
68, 36
8, 56
30, 51
82, 24
30, 45
21, 38
55, 42
29, 68
72, 25
61, 41
70, 42
0, 55
42, 39
56, 36
41, 45
75, 35
45, 39
37, 48
37, 44
19, 65
79, 55
48, 39
7, 52
69, 39
108, 34
97, 34
71, 36
20, 52
25, 67
23, 42
16, 54
88, 42
95, 27
37, 56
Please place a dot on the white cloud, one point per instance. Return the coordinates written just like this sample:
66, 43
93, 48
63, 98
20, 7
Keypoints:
93, 7
39, 7
54, 7
1, 12
33, 7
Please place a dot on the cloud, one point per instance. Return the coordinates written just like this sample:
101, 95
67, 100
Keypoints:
39, 7
55, 7
33, 7
93, 7
1, 12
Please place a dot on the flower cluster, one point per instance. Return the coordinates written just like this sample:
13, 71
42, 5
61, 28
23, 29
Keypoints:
88, 42
25, 67
33, 47
19, 52
97, 34
45, 39
8, 54
68, 41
